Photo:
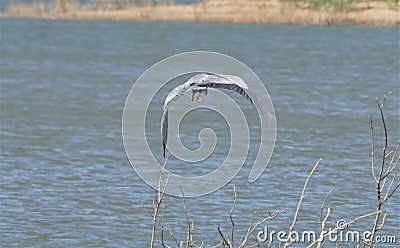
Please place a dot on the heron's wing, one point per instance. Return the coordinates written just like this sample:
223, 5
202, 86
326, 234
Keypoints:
176, 93
236, 84
164, 130
172, 97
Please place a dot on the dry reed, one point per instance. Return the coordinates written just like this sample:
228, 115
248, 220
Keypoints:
371, 13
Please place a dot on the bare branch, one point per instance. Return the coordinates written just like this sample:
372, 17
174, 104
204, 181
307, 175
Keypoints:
373, 150
391, 193
322, 230
157, 202
231, 217
385, 136
385, 170
301, 200
254, 227
337, 228
392, 165
162, 224
323, 204
224, 240
189, 241
220, 244
383, 221
173, 237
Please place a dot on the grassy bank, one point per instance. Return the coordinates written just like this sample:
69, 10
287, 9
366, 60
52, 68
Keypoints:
296, 12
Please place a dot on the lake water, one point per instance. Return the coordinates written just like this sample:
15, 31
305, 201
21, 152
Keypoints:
65, 178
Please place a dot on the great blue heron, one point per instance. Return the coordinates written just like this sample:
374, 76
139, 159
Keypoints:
199, 84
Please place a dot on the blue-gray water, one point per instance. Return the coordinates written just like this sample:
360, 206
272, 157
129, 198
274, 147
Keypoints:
65, 178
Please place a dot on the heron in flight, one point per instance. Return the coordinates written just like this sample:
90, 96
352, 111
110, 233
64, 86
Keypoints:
199, 84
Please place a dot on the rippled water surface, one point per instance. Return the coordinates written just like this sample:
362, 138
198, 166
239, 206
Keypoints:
65, 178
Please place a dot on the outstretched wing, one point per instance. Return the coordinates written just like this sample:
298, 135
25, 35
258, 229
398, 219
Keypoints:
172, 97
164, 129
177, 92
236, 84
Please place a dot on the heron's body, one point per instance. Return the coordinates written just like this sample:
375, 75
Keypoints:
199, 84
201, 90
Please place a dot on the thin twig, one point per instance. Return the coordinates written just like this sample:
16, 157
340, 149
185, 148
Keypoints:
231, 217
383, 221
224, 240
322, 231
162, 224
157, 202
220, 244
334, 230
392, 165
324, 219
254, 227
301, 200
323, 204
372, 150
189, 241
173, 237
391, 193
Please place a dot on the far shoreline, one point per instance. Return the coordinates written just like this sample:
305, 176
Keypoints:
370, 14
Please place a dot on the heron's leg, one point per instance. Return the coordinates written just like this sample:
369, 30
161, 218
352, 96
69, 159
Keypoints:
198, 98
193, 92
